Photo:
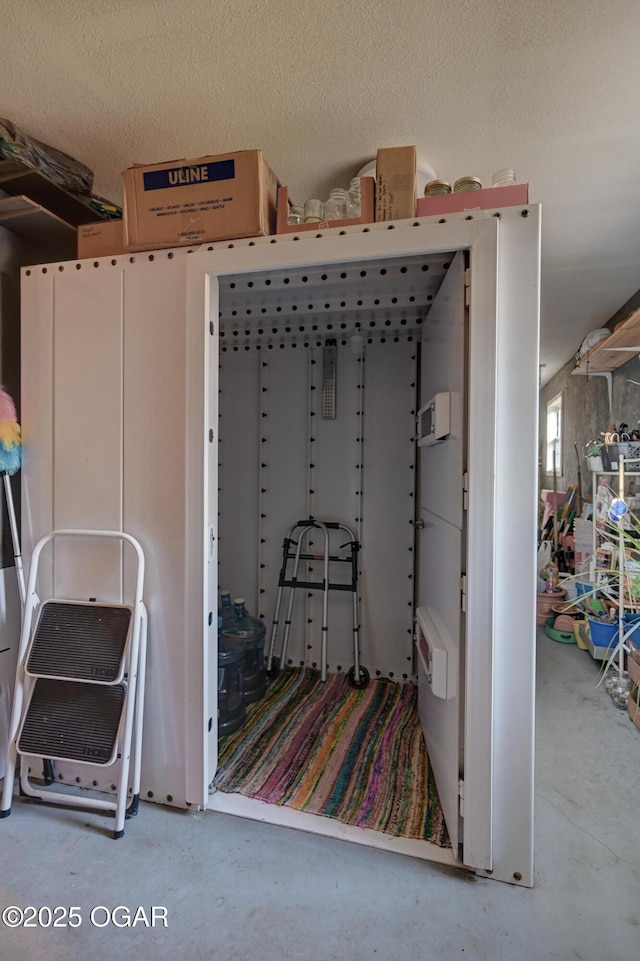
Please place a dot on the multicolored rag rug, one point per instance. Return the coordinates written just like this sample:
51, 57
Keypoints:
325, 748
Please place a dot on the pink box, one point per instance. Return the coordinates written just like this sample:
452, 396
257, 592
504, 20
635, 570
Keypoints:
488, 198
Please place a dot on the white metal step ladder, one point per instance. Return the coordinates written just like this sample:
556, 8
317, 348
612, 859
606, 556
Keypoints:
79, 688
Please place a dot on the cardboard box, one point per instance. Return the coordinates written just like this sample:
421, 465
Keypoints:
632, 707
102, 239
187, 202
633, 666
489, 198
395, 183
367, 188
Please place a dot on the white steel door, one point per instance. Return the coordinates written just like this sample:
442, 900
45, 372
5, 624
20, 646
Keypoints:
440, 543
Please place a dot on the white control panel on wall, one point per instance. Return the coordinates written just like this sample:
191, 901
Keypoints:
434, 419
434, 663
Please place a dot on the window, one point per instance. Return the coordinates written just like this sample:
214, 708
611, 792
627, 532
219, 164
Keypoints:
554, 435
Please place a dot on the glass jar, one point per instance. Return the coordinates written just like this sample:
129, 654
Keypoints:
313, 211
467, 183
503, 178
335, 207
354, 199
295, 215
436, 188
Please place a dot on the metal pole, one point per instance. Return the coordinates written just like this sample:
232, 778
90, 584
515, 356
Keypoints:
622, 564
15, 537
555, 503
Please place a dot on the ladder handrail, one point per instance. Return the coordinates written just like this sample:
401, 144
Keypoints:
77, 532
31, 595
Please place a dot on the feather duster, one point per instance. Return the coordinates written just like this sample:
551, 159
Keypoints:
10, 438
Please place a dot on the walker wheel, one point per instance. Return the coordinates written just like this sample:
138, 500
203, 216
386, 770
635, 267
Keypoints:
275, 668
362, 681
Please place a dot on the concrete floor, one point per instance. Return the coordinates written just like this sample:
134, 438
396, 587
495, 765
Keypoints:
237, 890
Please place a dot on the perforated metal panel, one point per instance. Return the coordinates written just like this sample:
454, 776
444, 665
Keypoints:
342, 452
372, 298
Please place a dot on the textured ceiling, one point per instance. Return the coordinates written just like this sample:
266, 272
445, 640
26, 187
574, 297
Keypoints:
549, 88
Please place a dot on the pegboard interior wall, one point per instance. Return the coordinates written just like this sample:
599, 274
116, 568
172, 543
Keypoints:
283, 459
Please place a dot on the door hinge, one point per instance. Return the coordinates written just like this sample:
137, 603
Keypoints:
467, 286
463, 593
465, 491
461, 796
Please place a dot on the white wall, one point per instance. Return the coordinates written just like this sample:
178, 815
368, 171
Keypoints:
549, 88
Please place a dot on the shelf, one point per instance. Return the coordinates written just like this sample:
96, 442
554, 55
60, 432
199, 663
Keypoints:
18, 179
24, 217
615, 350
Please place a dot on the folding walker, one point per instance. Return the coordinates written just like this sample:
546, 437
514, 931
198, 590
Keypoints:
358, 675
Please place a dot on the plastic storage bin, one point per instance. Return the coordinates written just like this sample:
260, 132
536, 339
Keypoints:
604, 635
562, 637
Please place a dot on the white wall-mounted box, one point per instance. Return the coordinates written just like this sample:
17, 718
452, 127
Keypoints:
434, 419
434, 666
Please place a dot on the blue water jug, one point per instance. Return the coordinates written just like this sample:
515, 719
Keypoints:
248, 632
231, 705
225, 611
